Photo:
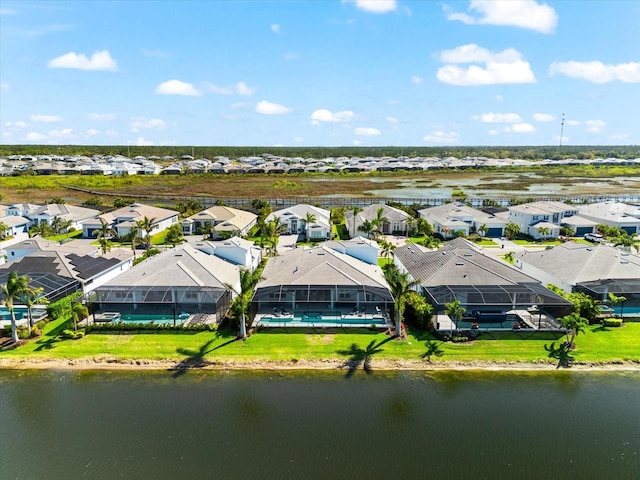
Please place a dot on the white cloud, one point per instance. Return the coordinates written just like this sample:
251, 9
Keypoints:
493, 74
376, 6
101, 116
92, 132
506, 67
18, 124
392, 120
416, 80
543, 117
98, 61
142, 142
527, 14
356, 142
472, 53
138, 123
240, 105
64, 133
326, 116
595, 126
244, 90
598, 72
267, 108
177, 87
494, 132
572, 123
45, 118
498, 118
240, 88
275, 28
520, 128
366, 132
298, 139
110, 133
440, 137
36, 137
618, 136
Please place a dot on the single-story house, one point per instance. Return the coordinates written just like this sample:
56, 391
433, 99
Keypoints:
452, 217
594, 269
614, 214
177, 281
486, 287
122, 219
323, 282
220, 220
397, 220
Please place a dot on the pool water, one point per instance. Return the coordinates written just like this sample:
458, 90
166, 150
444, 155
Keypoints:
152, 318
317, 319
21, 312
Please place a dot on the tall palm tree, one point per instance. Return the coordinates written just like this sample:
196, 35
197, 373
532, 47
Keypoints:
401, 287
356, 211
511, 230
248, 282
134, 232
105, 230
483, 229
105, 245
386, 248
146, 225
30, 297
308, 220
12, 290
424, 227
455, 311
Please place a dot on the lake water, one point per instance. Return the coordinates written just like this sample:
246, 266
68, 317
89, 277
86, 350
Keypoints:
319, 425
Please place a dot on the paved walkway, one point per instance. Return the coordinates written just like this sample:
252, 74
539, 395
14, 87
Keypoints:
286, 243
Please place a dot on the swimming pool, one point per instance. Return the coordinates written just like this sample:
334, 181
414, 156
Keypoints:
151, 318
21, 312
316, 319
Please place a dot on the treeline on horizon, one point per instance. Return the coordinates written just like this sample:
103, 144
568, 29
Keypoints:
524, 152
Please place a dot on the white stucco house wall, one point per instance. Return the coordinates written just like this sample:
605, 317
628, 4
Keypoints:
294, 220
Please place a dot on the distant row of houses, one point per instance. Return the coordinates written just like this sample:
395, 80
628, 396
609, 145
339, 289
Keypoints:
266, 163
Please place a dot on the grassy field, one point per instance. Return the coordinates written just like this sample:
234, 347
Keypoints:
596, 345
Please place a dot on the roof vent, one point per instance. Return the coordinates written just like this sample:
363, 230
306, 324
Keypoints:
459, 264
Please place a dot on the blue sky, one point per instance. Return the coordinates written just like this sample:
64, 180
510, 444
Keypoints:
324, 72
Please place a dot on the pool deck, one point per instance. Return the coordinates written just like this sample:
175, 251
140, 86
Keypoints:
532, 322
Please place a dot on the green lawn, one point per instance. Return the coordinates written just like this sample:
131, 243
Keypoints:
532, 243
596, 345
65, 236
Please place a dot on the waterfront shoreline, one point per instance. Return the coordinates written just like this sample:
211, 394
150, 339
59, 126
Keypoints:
326, 365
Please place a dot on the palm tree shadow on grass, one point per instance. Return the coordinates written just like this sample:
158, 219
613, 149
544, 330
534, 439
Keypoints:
433, 349
361, 356
49, 340
560, 353
195, 358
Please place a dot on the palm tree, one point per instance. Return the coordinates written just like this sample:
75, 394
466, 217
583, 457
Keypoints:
431, 242
424, 227
455, 311
30, 297
146, 225
368, 228
4, 228
79, 312
379, 221
134, 233
309, 219
42, 229
248, 282
386, 248
615, 299
575, 324
511, 230
356, 211
544, 231
483, 229
57, 224
105, 245
401, 287
105, 230
12, 290
174, 234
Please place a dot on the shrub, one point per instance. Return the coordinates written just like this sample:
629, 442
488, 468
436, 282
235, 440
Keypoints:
62, 307
35, 331
612, 322
23, 333
71, 334
460, 339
